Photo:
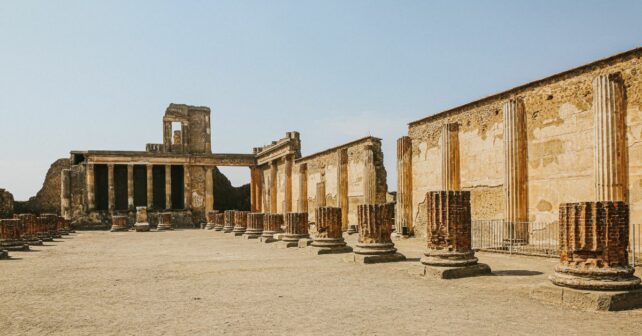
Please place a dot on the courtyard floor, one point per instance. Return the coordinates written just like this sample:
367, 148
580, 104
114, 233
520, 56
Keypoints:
196, 282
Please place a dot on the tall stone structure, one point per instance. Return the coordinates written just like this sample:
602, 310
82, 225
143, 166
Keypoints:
296, 228
302, 205
375, 228
515, 171
609, 111
450, 175
342, 186
273, 187
329, 236
403, 218
142, 224
450, 254
369, 177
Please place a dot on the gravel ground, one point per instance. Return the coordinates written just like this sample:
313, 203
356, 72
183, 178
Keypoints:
195, 282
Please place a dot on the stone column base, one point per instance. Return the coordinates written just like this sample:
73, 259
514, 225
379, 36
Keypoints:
266, 240
587, 299
228, 229
608, 278
218, 227
13, 245
238, 231
209, 226
164, 227
329, 246
291, 240
375, 258
4, 254
305, 242
32, 242
441, 272
141, 227
45, 237
117, 228
252, 234
352, 229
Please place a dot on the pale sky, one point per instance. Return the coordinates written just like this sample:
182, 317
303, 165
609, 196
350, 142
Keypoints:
79, 75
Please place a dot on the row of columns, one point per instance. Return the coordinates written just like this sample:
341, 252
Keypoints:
610, 157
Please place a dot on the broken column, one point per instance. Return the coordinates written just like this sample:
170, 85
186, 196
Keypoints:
43, 229
142, 225
403, 218
119, 223
211, 219
296, 229
30, 229
254, 225
449, 142
240, 223
375, 228
219, 221
61, 226
164, 221
329, 236
594, 271
52, 225
271, 225
448, 235
516, 174
10, 235
228, 226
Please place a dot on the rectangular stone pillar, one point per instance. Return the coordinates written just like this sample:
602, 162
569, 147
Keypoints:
450, 179
515, 172
342, 186
369, 177
259, 190
253, 189
130, 187
187, 189
65, 193
609, 109
403, 217
111, 196
168, 186
209, 189
320, 196
150, 186
273, 186
302, 204
91, 196
288, 183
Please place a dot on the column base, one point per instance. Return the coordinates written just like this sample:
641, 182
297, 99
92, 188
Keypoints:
305, 242
238, 231
375, 258
441, 272
44, 237
329, 246
594, 278
115, 228
4, 254
218, 227
443, 258
266, 240
587, 299
329, 250
209, 226
141, 227
13, 245
252, 234
33, 242
228, 229
164, 227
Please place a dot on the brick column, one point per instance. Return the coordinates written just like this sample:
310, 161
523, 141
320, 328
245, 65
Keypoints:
375, 227
515, 172
240, 222
168, 186
65, 193
118, 223
90, 180
296, 228
211, 219
450, 157
271, 225
403, 218
111, 196
10, 235
448, 236
228, 226
150, 186
254, 225
30, 229
342, 186
329, 237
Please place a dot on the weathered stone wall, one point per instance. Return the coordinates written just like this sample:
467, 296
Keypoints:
6, 204
47, 200
560, 144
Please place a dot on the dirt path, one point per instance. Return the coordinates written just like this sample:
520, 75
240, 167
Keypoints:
196, 282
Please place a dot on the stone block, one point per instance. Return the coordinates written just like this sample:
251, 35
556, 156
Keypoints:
375, 258
451, 272
266, 240
587, 299
4, 254
329, 250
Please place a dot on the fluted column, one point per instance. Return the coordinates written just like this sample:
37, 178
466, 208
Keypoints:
369, 177
90, 180
168, 186
375, 227
320, 196
302, 205
259, 190
65, 193
253, 177
516, 171
288, 183
342, 186
609, 108
111, 196
404, 185
130, 187
209, 189
450, 157
150, 186
273, 186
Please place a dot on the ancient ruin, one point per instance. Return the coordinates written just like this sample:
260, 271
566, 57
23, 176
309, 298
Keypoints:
119, 223
254, 225
296, 229
375, 229
219, 222
271, 225
329, 236
228, 225
141, 224
240, 223
165, 221
30, 229
211, 219
10, 232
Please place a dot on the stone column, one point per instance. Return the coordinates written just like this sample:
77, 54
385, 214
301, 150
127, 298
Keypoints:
342, 186
142, 225
219, 222
369, 177
228, 226
273, 186
253, 189
150, 186
211, 219
450, 157
91, 196
302, 205
167, 135
254, 225
111, 196
130, 186
288, 183
515, 172
375, 228
164, 221
259, 190
296, 228
271, 225
188, 186
320, 196
448, 235
168, 186
240, 222
403, 219
609, 110
118, 223
10, 235
65, 193
209, 189
329, 237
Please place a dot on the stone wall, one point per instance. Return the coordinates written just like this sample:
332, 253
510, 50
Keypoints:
559, 134
47, 200
6, 204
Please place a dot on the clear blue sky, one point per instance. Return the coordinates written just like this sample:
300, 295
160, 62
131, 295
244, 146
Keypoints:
99, 74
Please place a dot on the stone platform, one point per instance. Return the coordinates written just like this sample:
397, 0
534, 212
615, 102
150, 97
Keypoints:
375, 258
450, 272
587, 299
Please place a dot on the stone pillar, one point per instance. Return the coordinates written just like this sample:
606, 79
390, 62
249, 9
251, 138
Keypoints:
52, 224
259, 190
150, 186
342, 186
228, 226
450, 157
167, 135
369, 177
142, 225
271, 225
91, 196
211, 219
65, 193
43, 229
296, 228
30, 229
188, 186
118, 223
130, 186
329, 237
609, 110
164, 221
515, 172
288, 183
240, 222
273, 186
403, 218
209, 189
320, 196
254, 225
10, 235
168, 186
111, 196
302, 204
253, 189
375, 228
219, 222
448, 235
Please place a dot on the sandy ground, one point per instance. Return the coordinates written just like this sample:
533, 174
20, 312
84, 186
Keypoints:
196, 282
